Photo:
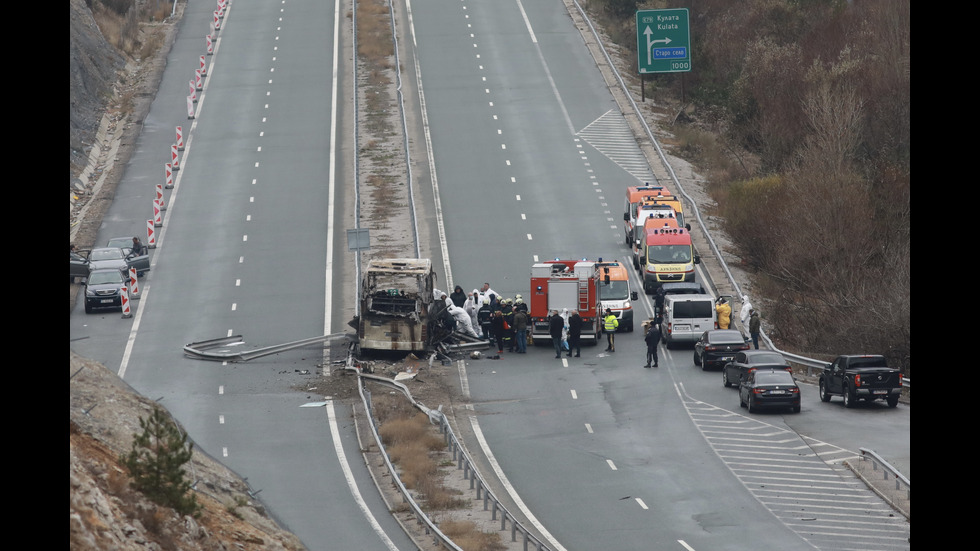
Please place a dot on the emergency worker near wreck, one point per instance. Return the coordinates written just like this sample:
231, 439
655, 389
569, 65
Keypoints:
609, 325
556, 324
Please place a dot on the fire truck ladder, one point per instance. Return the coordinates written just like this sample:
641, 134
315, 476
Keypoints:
583, 292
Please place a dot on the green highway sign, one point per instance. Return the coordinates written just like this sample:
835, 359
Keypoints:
663, 41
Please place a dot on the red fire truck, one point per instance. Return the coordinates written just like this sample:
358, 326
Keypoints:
566, 284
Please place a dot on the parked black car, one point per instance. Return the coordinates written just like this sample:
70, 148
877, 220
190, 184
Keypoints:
103, 289
735, 371
769, 388
718, 347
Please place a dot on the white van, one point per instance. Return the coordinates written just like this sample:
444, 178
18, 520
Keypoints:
686, 317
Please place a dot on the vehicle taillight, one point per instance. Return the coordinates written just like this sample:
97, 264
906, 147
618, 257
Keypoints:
857, 380
794, 390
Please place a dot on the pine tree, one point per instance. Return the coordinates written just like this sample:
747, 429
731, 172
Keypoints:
156, 463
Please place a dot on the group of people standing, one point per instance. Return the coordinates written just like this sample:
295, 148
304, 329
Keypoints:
566, 332
502, 321
483, 313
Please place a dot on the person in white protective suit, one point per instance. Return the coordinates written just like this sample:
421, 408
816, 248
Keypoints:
486, 291
472, 307
463, 324
746, 310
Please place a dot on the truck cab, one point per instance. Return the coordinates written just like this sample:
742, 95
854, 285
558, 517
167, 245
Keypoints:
634, 196
615, 293
667, 257
650, 215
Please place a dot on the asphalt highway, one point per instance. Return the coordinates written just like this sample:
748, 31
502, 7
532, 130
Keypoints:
602, 453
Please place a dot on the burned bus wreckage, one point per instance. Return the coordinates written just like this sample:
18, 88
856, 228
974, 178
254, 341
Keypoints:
400, 312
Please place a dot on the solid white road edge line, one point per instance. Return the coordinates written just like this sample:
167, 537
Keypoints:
510, 489
338, 447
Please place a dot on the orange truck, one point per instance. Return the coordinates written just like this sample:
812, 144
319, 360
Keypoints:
667, 257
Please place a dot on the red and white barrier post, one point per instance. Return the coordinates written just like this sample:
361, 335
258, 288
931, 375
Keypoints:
133, 284
210, 44
170, 177
157, 215
160, 200
204, 66
180, 138
198, 81
174, 162
127, 311
190, 108
151, 235
217, 20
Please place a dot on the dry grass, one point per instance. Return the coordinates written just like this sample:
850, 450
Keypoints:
387, 407
375, 46
465, 535
414, 446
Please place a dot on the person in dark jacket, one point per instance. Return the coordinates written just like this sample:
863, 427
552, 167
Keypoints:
658, 308
484, 316
508, 311
755, 327
652, 339
497, 329
574, 334
520, 330
458, 297
556, 324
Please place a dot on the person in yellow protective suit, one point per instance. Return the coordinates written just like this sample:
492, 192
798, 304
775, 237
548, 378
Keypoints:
724, 314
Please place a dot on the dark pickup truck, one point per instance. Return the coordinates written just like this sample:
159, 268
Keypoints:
861, 378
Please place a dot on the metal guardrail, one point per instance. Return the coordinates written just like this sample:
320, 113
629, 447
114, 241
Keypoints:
463, 462
886, 481
206, 350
